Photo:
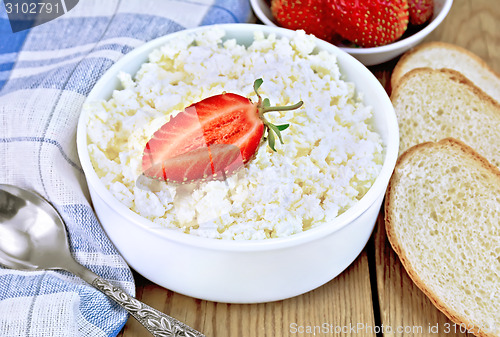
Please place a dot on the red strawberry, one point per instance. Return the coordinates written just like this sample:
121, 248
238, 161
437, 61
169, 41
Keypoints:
211, 138
310, 15
370, 23
420, 11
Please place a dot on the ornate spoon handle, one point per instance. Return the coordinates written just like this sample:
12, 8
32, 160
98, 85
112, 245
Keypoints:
158, 323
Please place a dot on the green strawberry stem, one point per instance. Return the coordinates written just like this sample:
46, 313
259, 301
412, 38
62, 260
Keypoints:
263, 106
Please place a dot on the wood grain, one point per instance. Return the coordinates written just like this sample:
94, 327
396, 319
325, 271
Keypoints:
346, 301
343, 302
474, 25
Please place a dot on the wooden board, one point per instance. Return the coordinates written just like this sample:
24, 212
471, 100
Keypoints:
339, 304
374, 296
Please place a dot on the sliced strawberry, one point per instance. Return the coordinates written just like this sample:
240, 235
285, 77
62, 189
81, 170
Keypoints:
370, 23
215, 120
310, 15
209, 162
210, 139
420, 11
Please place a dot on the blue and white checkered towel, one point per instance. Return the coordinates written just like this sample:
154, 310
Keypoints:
45, 74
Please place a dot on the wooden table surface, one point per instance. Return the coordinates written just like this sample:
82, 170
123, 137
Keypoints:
374, 296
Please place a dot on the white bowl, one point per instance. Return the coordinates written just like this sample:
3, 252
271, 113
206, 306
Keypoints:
249, 271
374, 55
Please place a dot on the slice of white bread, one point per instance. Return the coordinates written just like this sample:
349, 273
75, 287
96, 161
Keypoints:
439, 55
433, 104
442, 217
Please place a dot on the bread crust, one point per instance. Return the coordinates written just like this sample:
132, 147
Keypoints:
398, 71
453, 75
392, 236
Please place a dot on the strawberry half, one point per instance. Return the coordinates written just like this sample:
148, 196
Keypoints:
211, 138
370, 23
420, 11
310, 15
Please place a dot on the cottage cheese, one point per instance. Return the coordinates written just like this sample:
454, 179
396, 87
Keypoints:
329, 159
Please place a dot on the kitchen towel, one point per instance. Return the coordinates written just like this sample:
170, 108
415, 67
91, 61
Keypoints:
45, 74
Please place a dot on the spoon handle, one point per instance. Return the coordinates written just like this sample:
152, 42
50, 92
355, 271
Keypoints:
158, 323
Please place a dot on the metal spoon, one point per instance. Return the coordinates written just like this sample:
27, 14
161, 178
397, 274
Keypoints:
33, 237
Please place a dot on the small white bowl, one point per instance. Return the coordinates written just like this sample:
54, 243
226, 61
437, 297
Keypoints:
374, 55
249, 271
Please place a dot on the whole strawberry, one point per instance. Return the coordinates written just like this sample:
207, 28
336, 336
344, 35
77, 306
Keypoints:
312, 16
420, 11
370, 23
